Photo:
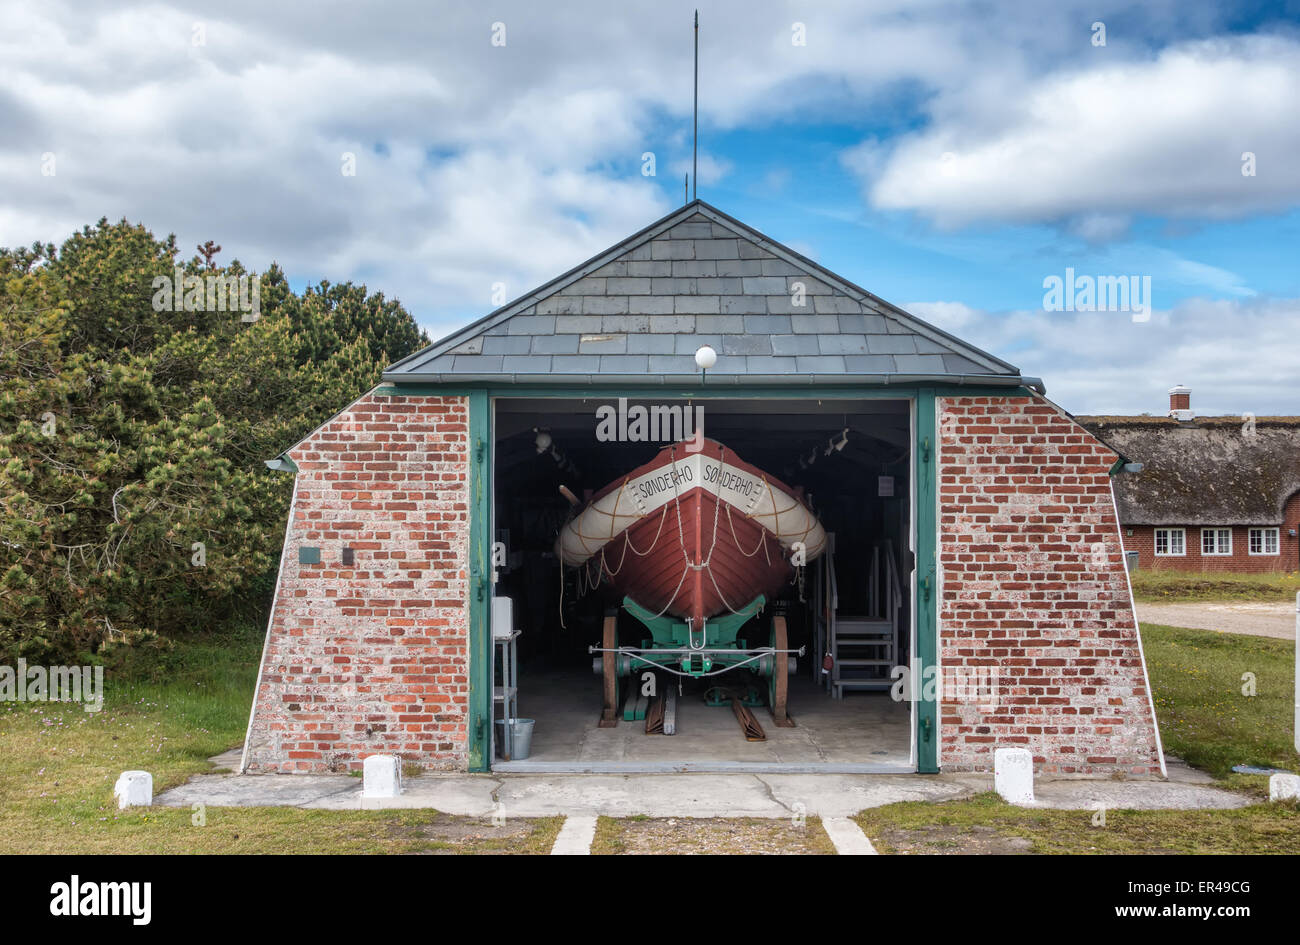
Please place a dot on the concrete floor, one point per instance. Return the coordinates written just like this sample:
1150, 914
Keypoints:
678, 795
861, 733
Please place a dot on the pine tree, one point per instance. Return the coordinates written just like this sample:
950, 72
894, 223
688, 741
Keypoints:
133, 496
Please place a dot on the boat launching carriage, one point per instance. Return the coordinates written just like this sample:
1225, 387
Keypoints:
696, 543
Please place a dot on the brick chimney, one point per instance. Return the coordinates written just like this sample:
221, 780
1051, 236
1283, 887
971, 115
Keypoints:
1180, 402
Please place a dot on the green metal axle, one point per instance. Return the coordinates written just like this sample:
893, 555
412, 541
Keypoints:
694, 651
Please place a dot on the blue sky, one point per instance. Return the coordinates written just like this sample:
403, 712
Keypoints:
800, 193
948, 157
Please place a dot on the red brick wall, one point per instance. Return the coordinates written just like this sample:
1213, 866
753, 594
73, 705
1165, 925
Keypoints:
1241, 561
374, 657
1033, 590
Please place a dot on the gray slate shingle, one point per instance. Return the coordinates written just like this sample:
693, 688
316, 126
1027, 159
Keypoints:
701, 280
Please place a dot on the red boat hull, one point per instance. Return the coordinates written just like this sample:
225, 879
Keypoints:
686, 573
697, 556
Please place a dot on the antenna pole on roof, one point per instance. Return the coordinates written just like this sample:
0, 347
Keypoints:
695, 123
686, 189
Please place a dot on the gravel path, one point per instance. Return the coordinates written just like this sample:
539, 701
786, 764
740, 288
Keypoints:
1255, 619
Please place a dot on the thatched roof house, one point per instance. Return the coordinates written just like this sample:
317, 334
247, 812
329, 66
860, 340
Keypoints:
1209, 473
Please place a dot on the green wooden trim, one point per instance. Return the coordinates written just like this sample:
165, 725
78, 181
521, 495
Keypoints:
424, 390
925, 594
925, 587
729, 392
480, 544
899, 392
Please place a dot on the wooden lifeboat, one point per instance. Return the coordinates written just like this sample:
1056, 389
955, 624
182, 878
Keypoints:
692, 534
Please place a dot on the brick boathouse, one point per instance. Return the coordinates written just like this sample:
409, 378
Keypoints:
995, 507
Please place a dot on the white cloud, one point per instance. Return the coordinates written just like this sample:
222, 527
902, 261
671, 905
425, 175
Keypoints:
475, 164
1237, 355
1093, 145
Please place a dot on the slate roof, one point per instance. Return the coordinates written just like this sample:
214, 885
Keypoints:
639, 311
1207, 471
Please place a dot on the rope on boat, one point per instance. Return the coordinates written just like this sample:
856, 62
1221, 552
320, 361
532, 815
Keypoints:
762, 540
589, 539
627, 543
560, 562
682, 580
720, 597
604, 569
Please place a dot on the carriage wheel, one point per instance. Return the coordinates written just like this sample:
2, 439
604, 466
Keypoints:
778, 683
609, 640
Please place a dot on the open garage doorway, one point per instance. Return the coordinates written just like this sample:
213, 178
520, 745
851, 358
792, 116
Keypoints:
845, 613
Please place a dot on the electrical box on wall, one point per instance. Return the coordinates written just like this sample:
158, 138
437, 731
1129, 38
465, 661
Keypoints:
503, 617
349, 557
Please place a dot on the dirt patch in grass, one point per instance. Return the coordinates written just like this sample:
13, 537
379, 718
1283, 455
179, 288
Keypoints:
977, 840
642, 836
443, 833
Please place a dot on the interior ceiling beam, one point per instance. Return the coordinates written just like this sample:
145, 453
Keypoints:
587, 406
512, 425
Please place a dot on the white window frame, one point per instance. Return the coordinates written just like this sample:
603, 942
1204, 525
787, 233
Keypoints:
1169, 534
1263, 533
1218, 534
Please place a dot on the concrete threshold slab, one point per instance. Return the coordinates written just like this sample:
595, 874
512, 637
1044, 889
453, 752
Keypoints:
775, 795
696, 767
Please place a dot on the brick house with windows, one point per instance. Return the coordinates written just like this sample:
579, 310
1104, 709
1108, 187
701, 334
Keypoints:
1212, 494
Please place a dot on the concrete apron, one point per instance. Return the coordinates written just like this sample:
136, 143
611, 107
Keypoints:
677, 795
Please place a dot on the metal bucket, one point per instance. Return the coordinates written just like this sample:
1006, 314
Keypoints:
522, 730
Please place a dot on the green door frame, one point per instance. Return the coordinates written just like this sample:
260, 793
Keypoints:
924, 575
925, 578
480, 590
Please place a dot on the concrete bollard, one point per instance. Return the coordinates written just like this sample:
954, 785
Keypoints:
383, 776
1284, 787
134, 789
1013, 775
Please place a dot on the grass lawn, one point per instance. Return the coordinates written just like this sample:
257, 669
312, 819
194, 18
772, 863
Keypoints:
1205, 717
986, 824
58, 764
1174, 587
